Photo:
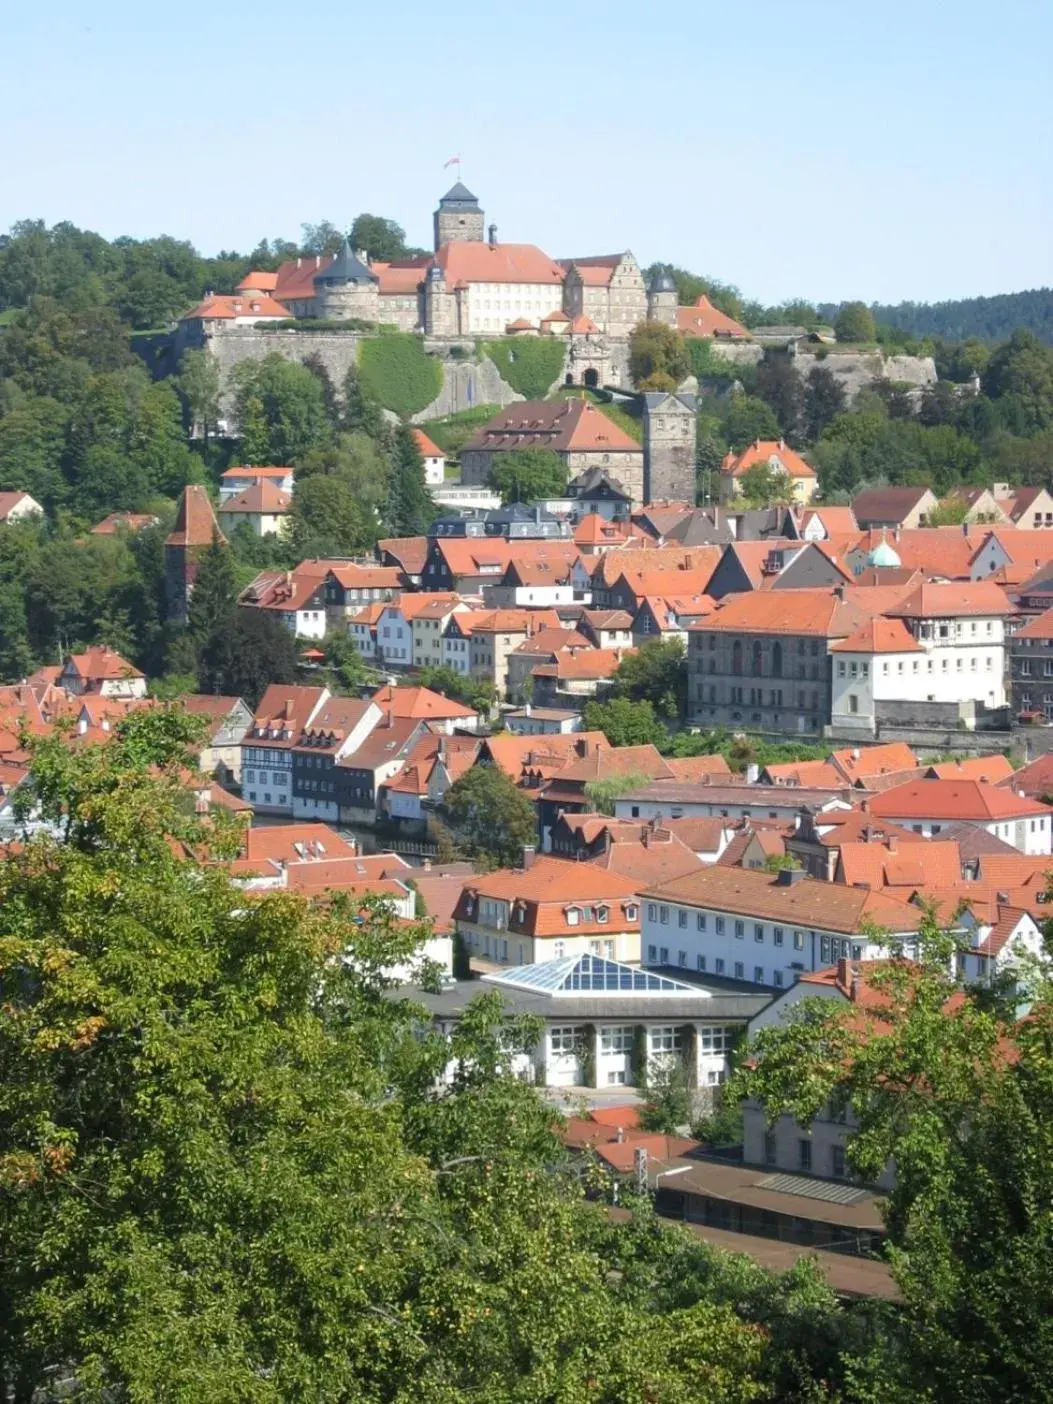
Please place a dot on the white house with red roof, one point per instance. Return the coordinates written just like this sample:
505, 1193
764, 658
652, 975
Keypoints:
243, 475
434, 459
18, 506
262, 507
101, 671
937, 658
928, 807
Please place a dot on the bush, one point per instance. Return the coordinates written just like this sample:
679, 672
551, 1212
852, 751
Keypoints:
530, 365
396, 371
708, 364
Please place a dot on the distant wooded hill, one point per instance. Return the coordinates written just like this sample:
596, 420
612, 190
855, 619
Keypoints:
990, 318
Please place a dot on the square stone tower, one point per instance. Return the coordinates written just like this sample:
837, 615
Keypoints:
195, 527
458, 218
669, 422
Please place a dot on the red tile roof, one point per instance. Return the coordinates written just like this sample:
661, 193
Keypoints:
954, 799
101, 664
420, 703
466, 261
815, 612
879, 636
863, 762
564, 426
993, 769
123, 521
195, 523
546, 890
428, 447
266, 498
949, 601
703, 319
258, 281
219, 308
763, 451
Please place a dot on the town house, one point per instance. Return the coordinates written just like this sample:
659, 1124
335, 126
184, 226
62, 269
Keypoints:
929, 807
548, 910
101, 672
761, 660
1031, 667
428, 625
766, 928
334, 731
266, 752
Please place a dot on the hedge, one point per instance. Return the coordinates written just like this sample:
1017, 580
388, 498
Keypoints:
395, 370
531, 365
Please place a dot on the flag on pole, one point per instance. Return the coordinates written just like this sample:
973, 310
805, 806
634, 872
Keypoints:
453, 161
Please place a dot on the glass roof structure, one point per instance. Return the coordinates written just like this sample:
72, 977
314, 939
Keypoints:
589, 974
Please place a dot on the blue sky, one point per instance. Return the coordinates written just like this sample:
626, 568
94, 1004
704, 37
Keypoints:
828, 148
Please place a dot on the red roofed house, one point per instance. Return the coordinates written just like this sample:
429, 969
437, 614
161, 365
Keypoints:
295, 597
215, 312
928, 807
102, 672
235, 480
131, 522
775, 454
421, 704
263, 508
935, 659
434, 459
194, 531
704, 320
580, 433
547, 911
17, 506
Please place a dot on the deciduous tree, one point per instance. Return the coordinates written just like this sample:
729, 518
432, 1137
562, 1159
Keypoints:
493, 818
658, 357
528, 475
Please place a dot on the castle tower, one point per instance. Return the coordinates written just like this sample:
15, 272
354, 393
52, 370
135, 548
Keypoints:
662, 300
347, 287
669, 425
195, 527
440, 305
458, 218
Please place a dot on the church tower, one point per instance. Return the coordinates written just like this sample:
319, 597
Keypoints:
192, 535
458, 218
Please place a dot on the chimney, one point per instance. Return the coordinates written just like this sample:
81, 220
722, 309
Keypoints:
619, 1135
492, 233
843, 972
892, 843
788, 877
839, 593
1002, 898
529, 854
855, 753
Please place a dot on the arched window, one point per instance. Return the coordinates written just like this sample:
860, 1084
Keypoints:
736, 657
776, 660
757, 669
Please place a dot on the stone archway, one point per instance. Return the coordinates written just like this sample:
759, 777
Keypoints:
591, 379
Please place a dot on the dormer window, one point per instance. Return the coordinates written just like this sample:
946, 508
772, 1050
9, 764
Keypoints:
602, 914
631, 911
573, 916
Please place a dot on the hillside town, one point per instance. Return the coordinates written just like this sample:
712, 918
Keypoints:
526, 778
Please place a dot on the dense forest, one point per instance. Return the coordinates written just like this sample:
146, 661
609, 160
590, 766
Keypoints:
989, 318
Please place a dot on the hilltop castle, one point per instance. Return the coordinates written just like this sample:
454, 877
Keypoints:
469, 286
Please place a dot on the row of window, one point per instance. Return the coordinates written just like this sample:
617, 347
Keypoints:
252, 777
660, 912
836, 1167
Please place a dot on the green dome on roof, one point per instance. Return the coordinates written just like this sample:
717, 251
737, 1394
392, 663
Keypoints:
883, 555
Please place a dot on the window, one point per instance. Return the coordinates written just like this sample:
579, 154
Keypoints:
778, 979
720, 926
776, 935
652, 954
663, 955
770, 1150
572, 916
740, 930
559, 950
758, 931
798, 940
563, 1038
718, 966
616, 1079
837, 1162
716, 1038
663, 915
616, 1038
602, 914
701, 963
681, 918
758, 974
804, 1154
739, 970
652, 912
631, 912
700, 921
664, 1038
681, 958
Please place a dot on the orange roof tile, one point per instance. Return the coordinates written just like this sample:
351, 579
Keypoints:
763, 451
123, 521
265, 497
879, 636
972, 800
990, 768
428, 447
861, 762
817, 612
468, 261
101, 664
703, 319
258, 281
540, 895
932, 600
195, 523
564, 426
220, 308
419, 703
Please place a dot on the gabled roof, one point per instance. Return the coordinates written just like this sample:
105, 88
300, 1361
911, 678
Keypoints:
817, 612
955, 799
384, 743
284, 709
469, 261
564, 426
420, 703
589, 974
541, 894
195, 523
251, 471
877, 865
879, 636
258, 281
861, 763
100, 664
411, 552
703, 319
993, 769
219, 308
266, 498
131, 522
763, 451
1034, 779
428, 447
888, 504
806, 902
1041, 627
963, 599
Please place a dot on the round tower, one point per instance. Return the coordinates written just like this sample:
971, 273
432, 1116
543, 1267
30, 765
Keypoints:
347, 287
662, 300
458, 218
440, 305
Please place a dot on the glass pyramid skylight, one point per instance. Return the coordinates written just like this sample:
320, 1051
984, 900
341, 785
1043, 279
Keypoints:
589, 974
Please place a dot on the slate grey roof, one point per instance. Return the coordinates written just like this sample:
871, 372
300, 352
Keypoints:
459, 195
592, 480
347, 268
662, 282
723, 1004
